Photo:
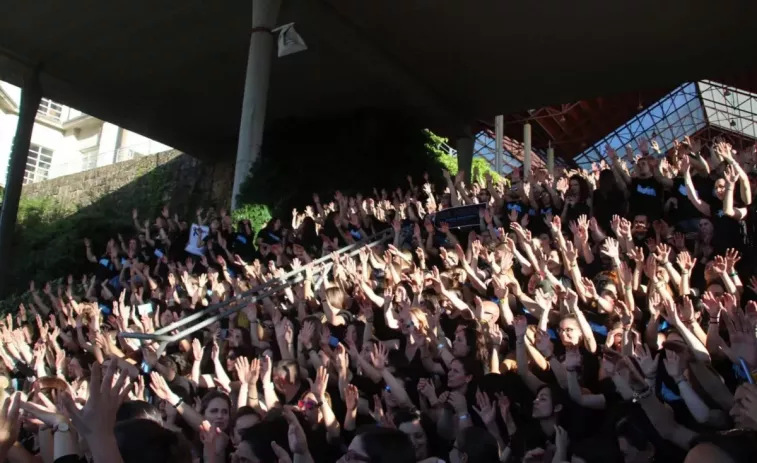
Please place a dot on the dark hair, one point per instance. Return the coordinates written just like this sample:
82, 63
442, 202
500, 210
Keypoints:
583, 187
289, 369
607, 182
385, 445
476, 341
479, 446
138, 409
558, 395
145, 441
260, 436
472, 366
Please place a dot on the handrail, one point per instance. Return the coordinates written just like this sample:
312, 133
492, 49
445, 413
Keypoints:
291, 278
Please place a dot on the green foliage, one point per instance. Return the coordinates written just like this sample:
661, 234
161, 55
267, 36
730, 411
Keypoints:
436, 145
352, 154
48, 240
257, 214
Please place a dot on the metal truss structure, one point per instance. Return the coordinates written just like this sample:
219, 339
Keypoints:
704, 110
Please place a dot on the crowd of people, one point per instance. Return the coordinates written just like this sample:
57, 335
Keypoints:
592, 316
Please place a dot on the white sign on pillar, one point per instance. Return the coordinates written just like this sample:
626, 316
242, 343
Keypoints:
289, 41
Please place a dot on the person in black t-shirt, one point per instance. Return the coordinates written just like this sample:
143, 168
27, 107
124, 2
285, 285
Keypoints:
726, 219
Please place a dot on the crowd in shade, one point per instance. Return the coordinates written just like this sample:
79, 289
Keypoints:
591, 316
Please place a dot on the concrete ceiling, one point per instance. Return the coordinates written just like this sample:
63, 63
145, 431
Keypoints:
173, 70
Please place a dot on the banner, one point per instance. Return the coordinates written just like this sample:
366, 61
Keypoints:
289, 41
196, 243
461, 216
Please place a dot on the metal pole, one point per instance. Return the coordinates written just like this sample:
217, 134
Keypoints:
161, 334
551, 159
259, 57
499, 130
31, 95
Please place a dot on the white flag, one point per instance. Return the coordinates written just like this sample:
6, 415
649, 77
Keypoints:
290, 41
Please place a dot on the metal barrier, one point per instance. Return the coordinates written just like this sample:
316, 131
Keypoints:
263, 290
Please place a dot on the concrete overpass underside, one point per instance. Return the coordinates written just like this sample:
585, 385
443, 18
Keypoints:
174, 70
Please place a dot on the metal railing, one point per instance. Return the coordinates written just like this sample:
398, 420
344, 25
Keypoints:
215, 312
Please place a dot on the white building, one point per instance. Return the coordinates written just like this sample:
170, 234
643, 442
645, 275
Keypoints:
66, 141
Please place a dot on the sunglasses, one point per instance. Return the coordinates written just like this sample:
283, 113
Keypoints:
306, 405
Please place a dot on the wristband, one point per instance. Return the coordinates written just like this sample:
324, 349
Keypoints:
178, 402
733, 274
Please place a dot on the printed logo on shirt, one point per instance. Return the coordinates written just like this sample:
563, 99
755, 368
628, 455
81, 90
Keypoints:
682, 190
646, 190
720, 213
515, 206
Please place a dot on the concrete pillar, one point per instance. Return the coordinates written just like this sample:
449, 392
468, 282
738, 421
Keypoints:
31, 95
108, 145
551, 159
499, 134
252, 123
464, 148
526, 150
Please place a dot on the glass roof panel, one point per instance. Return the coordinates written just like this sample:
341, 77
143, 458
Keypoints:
729, 108
675, 116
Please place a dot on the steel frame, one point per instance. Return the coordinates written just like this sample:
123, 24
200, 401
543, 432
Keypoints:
269, 288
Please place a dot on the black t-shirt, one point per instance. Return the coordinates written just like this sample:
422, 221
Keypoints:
536, 219
646, 197
606, 206
686, 209
517, 206
729, 232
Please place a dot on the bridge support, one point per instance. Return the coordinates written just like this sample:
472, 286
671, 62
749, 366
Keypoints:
252, 123
31, 94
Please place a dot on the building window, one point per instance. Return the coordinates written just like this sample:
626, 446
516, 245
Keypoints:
38, 164
50, 109
89, 159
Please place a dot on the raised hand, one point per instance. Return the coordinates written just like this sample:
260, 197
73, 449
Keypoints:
379, 356
351, 397
318, 387
610, 248
543, 344
10, 424
732, 257
647, 363
672, 365
98, 417
427, 389
242, 366
485, 409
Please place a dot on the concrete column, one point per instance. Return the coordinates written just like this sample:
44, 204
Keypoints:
551, 159
109, 140
499, 134
464, 148
252, 123
31, 95
526, 150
